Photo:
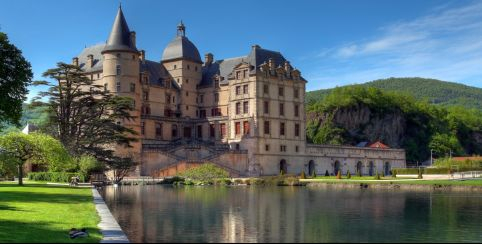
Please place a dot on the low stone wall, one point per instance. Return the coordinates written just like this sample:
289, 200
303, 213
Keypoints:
395, 186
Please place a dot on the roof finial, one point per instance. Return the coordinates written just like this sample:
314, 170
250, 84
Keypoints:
181, 29
120, 4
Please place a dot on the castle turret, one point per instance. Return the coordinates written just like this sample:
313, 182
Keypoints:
182, 60
121, 69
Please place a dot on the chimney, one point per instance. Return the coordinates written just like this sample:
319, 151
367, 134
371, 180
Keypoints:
143, 55
133, 38
287, 67
90, 60
208, 59
255, 46
271, 64
75, 61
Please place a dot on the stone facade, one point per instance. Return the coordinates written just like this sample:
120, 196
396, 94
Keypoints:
245, 114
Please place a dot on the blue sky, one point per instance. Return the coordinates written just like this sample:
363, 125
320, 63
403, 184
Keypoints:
333, 43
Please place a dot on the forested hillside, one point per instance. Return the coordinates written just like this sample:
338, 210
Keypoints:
353, 114
430, 90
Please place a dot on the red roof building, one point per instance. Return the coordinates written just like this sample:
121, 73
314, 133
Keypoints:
379, 144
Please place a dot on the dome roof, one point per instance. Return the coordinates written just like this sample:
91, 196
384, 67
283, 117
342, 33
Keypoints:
181, 47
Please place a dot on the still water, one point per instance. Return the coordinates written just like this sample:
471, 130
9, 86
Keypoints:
293, 214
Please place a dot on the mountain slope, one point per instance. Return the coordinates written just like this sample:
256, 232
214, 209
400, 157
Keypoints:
431, 90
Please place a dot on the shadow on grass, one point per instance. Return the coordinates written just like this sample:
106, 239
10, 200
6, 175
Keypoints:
21, 232
25, 196
9, 208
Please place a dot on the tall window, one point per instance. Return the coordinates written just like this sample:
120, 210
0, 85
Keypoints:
282, 148
199, 131
245, 73
174, 131
133, 87
216, 97
212, 130
159, 130
238, 90
118, 69
145, 96
105, 87
201, 98
238, 73
266, 107
202, 113
281, 91
282, 109
297, 130
297, 93
245, 89
245, 107
297, 110
118, 86
237, 126
266, 89
143, 128
238, 108
282, 129
222, 128
266, 127
168, 98
246, 127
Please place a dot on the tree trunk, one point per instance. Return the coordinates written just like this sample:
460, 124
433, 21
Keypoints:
20, 175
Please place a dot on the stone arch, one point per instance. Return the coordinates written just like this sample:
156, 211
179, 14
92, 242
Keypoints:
283, 166
370, 168
311, 167
387, 167
359, 167
336, 167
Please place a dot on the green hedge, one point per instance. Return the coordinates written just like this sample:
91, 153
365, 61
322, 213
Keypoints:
55, 176
431, 171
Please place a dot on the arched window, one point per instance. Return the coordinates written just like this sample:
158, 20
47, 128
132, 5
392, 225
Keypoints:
370, 168
159, 130
283, 166
311, 167
387, 168
359, 167
336, 167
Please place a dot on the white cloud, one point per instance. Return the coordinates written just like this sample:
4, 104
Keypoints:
444, 44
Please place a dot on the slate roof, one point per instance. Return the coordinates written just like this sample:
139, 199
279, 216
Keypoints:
181, 47
255, 58
120, 36
98, 58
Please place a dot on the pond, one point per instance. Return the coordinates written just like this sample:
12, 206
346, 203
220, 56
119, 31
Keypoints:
293, 214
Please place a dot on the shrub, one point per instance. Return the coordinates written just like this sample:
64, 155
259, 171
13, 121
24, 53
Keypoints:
222, 182
383, 173
314, 174
255, 181
394, 173
206, 172
358, 173
302, 175
281, 172
377, 176
338, 176
62, 177
406, 171
88, 165
326, 173
348, 174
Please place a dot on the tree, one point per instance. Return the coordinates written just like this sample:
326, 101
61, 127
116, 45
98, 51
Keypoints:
120, 168
87, 117
15, 76
445, 144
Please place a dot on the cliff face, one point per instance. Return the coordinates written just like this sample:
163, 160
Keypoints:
363, 124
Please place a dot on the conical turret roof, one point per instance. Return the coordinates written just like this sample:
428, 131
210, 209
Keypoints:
120, 35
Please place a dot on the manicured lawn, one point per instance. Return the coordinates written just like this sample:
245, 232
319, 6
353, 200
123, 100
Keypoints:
41, 213
388, 180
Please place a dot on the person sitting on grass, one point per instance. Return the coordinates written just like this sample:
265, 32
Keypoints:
74, 233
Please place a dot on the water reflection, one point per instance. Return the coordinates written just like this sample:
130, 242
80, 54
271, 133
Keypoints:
293, 214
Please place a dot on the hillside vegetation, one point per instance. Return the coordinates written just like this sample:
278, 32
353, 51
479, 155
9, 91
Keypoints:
430, 90
353, 114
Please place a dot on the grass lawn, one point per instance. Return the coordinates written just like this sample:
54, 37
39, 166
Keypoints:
42, 213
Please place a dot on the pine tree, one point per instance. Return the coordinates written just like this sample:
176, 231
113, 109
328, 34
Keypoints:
15, 77
338, 176
302, 175
326, 173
